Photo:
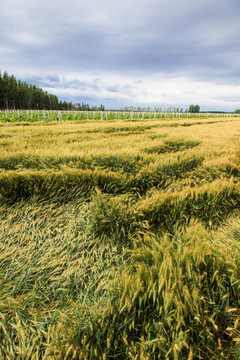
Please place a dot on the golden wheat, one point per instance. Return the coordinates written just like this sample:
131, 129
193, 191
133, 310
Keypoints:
120, 239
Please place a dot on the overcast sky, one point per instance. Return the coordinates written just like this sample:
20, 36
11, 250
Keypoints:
128, 52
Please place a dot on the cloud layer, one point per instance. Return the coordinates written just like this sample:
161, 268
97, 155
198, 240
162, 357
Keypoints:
155, 52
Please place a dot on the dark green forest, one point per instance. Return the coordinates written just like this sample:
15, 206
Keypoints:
17, 94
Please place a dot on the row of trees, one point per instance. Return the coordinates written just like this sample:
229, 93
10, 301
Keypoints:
150, 109
16, 94
191, 109
86, 107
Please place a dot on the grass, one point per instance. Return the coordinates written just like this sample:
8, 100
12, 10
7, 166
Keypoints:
119, 238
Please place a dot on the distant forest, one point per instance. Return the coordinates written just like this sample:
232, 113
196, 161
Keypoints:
17, 94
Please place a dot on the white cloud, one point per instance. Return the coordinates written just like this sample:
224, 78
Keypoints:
157, 89
27, 38
182, 51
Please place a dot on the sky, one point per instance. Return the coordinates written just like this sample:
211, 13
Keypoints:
158, 53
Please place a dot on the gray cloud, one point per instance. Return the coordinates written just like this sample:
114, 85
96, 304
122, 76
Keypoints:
67, 45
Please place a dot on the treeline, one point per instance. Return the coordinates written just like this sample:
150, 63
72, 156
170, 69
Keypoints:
17, 94
152, 109
80, 106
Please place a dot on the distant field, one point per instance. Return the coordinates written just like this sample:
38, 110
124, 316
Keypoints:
119, 238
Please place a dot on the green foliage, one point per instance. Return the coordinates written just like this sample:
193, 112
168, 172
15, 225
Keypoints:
194, 108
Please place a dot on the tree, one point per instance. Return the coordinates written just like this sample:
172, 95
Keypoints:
1, 92
194, 108
12, 92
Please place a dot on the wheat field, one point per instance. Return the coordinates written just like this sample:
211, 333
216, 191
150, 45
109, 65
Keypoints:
120, 239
